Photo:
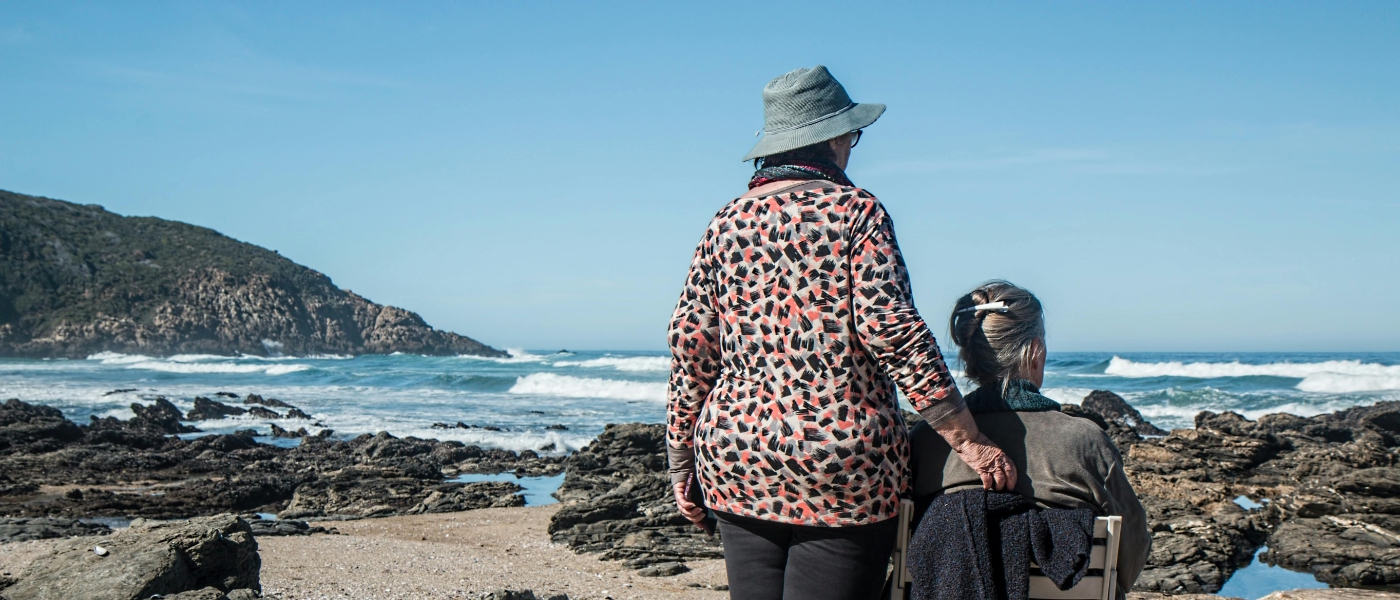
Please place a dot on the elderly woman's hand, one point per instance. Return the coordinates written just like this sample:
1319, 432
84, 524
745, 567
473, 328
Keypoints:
997, 471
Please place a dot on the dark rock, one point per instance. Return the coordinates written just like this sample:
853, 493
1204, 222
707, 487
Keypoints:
284, 527
147, 559
263, 413
666, 569
120, 391
1114, 409
161, 416
42, 528
360, 491
209, 593
558, 427
259, 400
457, 497
226, 394
618, 502
30, 428
207, 410
279, 432
1347, 550
509, 595
127, 468
295, 413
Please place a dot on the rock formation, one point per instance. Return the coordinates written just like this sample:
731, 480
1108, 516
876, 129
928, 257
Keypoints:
146, 560
52, 467
76, 280
618, 502
1330, 483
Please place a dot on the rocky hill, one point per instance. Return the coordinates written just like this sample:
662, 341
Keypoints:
77, 279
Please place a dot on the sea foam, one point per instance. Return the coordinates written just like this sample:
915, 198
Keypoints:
623, 363
550, 384
196, 363
1332, 376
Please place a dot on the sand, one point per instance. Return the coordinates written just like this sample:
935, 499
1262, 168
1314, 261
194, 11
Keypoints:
455, 555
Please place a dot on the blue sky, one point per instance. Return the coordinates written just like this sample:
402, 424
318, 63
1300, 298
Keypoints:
1165, 176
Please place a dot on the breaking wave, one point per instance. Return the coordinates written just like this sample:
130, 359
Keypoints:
550, 384
621, 363
197, 363
1332, 376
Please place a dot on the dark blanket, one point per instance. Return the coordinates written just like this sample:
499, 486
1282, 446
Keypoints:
979, 545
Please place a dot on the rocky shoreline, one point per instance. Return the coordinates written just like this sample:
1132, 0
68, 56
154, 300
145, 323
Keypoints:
1327, 488
53, 467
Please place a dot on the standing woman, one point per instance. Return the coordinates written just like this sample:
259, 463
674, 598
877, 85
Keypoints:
794, 326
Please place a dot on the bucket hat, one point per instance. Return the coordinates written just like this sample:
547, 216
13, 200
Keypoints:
807, 106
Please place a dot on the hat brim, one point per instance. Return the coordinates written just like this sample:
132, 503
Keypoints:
859, 117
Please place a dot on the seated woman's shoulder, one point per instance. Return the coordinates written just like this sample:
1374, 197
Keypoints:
1075, 429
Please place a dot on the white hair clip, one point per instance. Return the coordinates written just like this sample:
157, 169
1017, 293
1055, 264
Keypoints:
998, 306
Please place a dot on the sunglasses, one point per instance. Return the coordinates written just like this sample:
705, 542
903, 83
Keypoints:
855, 137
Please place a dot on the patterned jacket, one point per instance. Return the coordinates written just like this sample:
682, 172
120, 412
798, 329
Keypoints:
794, 324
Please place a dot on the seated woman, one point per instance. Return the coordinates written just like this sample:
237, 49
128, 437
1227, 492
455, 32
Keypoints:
1063, 461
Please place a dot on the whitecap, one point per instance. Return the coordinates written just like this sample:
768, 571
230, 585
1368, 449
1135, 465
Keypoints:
516, 355
549, 384
218, 367
1335, 376
117, 358
623, 363
1333, 383
1066, 395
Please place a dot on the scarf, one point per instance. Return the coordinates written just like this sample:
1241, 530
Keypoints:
800, 171
1020, 395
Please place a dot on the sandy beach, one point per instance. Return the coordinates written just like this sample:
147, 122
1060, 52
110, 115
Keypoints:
442, 556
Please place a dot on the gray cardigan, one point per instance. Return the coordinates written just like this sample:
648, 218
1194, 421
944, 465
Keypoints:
1061, 462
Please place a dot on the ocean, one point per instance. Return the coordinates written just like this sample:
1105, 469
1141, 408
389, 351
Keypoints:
520, 402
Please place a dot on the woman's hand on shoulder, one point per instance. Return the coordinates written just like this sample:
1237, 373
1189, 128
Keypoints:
984, 456
991, 463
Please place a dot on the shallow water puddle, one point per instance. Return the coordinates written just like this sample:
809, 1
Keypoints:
1259, 579
1248, 504
538, 490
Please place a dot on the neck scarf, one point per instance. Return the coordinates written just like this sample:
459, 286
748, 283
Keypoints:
1019, 395
800, 171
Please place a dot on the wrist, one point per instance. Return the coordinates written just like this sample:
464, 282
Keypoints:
960, 430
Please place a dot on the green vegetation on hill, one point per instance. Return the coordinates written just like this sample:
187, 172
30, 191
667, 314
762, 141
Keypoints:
77, 279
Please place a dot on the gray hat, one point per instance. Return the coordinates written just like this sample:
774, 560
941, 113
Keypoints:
807, 106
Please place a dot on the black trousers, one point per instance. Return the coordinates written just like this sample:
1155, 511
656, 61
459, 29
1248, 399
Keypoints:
774, 561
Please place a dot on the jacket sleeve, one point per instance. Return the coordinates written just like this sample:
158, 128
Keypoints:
1136, 544
695, 359
888, 324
